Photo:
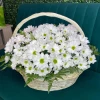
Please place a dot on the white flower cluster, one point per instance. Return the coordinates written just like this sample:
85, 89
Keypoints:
49, 48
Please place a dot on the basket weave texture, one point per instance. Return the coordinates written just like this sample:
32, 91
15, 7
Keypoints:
40, 84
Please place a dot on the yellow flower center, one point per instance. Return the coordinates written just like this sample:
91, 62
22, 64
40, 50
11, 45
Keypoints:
45, 34
83, 51
42, 71
42, 61
91, 59
73, 47
75, 58
34, 53
53, 50
36, 69
61, 41
64, 55
60, 50
48, 69
55, 61
44, 47
51, 38
26, 62
30, 68
65, 63
80, 64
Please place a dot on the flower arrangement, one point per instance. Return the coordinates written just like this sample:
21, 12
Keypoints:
49, 52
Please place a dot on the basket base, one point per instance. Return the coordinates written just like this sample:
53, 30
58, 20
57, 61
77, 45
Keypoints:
57, 85
68, 81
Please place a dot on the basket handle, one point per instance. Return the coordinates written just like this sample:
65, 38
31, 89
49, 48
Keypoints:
50, 14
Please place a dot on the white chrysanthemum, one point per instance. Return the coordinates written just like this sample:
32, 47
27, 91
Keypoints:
25, 62
54, 48
70, 29
51, 38
56, 69
49, 48
56, 61
82, 65
17, 51
73, 38
7, 58
29, 29
52, 28
68, 64
15, 59
83, 39
44, 47
13, 66
42, 72
60, 40
17, 45
91, 59
9, 45
85, 52
32, 53
29, 69
60, 27
42, 61
73, 46
78, 59
19, 38
58, 34
66, 56
62, 48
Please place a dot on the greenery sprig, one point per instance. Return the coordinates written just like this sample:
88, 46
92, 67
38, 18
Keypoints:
51, 76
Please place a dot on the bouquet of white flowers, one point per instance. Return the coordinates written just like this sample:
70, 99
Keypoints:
49, 52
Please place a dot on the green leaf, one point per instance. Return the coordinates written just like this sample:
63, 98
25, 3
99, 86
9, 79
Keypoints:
63, 71
4, 68
2, 58
50, 82
49, 76
59, 76
22, 32
28, 81
8, 54
2, 64
95, 50
32, 37
31, 77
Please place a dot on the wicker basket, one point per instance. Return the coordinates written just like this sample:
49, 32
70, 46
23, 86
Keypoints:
68, 79
40, 84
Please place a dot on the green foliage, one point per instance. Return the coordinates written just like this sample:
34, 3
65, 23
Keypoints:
95, 50
2, 58
21, 32
31, 77
4, 65
7, 65
32, 37
11, 6
51, 76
